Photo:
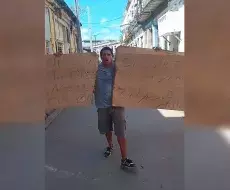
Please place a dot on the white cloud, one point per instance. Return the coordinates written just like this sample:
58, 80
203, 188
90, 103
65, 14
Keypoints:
103, 20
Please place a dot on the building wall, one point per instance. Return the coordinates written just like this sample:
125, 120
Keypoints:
56, 35
129, 16
171, 24
48, 44
147, 34
155, 32
47, 24
112, 45
144, 37
52, 29
58, 30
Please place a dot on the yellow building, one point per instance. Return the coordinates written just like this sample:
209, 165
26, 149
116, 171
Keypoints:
62, 33
62, 28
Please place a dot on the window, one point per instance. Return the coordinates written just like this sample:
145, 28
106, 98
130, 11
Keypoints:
141, 39
177, 42
60, 47
68, 35
165, 44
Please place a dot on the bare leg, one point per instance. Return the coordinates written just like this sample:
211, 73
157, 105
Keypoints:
109, 137
123, 149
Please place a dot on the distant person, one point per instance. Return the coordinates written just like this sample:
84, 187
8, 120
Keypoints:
110, 117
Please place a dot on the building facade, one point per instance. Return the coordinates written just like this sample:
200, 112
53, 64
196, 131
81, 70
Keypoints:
171, 27
99, 44
113, 44
62, 34
62, 28
154, 24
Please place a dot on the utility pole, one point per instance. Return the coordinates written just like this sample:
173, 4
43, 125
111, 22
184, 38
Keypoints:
79, 39
77, 8
90, 28
95, 37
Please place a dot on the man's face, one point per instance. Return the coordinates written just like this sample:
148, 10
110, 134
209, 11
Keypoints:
107, 57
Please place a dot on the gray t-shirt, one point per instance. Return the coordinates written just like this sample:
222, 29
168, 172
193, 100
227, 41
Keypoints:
104, 86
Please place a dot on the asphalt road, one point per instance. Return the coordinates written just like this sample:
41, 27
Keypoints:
168, 155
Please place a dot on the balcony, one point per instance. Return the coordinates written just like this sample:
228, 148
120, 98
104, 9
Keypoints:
148, 7
127, 36
174, 5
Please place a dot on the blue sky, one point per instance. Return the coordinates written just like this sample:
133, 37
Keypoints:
102, 11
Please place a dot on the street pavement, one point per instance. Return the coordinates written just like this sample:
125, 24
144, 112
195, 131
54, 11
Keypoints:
168, 155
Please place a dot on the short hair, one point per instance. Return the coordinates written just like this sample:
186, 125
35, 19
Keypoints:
106, 49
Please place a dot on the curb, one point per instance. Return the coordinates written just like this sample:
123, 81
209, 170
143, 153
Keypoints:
52, 117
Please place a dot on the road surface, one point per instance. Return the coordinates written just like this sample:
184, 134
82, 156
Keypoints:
168, 155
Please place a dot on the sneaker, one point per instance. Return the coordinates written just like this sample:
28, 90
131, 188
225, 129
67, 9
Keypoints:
127, 163
108, 152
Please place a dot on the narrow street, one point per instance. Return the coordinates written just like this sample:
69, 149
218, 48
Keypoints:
74, 153
166, 156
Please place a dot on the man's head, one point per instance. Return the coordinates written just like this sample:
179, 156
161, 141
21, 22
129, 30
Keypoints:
106, 54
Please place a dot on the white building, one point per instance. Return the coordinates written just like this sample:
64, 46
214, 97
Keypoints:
112, 44
142, 29
99, 44
47, 32
129, 16
144, 24
171, 27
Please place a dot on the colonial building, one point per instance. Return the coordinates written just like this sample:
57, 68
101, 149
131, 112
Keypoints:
154, 24
62, 34
62, 28
113, 44
171, 27
99, 44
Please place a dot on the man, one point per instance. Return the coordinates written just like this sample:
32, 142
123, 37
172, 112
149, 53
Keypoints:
110, 117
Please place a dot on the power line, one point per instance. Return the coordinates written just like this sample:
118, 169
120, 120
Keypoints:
108, 27
118, 26
105, 21
107, 1
83, 9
